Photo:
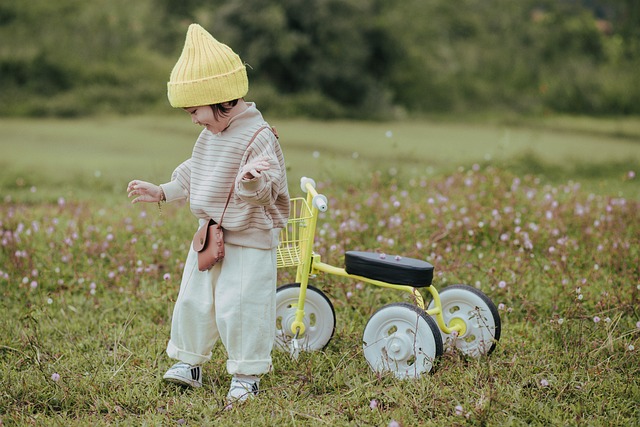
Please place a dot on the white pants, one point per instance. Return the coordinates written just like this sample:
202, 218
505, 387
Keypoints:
234, 301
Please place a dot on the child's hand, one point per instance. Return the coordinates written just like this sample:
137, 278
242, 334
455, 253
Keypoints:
145, 192
252, 169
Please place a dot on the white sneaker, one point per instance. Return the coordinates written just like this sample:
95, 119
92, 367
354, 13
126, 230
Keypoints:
184, 374
243, 387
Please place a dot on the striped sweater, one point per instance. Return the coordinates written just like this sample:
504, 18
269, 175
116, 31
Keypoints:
259, 207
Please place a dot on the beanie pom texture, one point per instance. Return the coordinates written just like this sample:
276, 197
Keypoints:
207, 72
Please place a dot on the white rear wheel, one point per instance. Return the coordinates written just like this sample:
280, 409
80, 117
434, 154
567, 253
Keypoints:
479, 314
403, 339
319, 318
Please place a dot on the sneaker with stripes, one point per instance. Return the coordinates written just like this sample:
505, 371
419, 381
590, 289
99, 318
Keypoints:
243, 387
184, 374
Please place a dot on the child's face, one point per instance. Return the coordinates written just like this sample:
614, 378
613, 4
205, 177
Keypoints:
203, 116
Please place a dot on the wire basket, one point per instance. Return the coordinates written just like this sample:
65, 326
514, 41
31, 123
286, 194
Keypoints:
294, 235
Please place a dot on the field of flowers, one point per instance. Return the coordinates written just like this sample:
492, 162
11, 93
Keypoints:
87, 288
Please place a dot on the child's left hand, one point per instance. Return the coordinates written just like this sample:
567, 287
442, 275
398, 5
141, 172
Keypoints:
252, 169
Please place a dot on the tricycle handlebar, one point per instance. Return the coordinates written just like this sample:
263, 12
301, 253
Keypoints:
319, 201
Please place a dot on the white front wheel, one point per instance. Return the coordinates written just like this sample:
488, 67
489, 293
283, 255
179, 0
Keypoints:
401, 338
319, 318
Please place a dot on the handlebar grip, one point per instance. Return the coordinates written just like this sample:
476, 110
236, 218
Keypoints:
320, 202
304, 181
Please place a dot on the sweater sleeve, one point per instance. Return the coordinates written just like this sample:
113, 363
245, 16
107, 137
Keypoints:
179, 186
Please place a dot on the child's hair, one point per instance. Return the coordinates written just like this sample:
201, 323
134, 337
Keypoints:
223, 108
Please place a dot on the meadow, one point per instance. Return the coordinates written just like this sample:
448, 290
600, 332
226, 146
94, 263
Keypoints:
541, 215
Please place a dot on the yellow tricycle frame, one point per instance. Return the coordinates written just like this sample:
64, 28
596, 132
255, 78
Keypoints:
296, 249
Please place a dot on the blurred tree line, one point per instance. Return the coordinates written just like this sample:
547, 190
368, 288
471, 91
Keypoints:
365, 59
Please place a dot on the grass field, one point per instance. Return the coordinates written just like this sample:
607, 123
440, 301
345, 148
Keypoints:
542, 216
68, 156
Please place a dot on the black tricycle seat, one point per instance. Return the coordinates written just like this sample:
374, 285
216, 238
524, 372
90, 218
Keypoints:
389, 268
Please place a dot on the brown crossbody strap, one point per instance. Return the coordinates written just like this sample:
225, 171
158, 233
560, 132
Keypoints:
253, 138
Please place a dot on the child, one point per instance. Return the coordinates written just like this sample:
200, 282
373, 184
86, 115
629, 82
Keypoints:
235, 300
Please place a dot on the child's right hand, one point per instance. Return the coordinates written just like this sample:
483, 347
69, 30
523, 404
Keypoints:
144, 192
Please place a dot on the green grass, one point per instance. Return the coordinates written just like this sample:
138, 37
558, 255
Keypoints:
78, 156
88, 281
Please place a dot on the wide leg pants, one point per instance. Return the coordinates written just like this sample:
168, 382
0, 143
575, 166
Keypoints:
234, 301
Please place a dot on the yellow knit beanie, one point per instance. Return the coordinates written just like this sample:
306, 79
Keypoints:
207, 72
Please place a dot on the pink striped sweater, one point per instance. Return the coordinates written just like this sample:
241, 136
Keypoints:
259, 208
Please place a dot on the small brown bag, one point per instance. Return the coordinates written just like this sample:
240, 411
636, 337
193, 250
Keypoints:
208, 242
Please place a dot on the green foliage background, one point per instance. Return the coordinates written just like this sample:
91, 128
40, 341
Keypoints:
329, 58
